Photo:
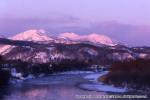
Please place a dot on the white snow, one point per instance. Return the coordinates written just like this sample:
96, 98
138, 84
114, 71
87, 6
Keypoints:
91, 51
94, 77
42, 56
93, 37
99, 86
30, 76
74, 72
96, 38
72, 36
5, 49
32, 35
39, 35
102, 87
57, 55
120, 56
127, 56
14, 73
143, 55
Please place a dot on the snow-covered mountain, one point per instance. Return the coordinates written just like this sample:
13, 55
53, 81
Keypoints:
36, 46
39, 35
32, 35
29, 35
94, 38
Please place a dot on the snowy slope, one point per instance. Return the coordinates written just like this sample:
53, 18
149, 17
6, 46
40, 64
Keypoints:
5, 49
68, 46
95, 38
32, 35
66, 38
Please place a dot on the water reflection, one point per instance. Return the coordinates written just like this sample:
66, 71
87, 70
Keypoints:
4, 90
52, 92
65, 90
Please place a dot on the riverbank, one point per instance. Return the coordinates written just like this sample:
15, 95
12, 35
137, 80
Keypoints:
95, 85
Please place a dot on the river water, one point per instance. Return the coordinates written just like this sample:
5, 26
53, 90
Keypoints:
53, 87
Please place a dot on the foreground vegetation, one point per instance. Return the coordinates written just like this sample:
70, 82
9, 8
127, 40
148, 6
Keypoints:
134, 74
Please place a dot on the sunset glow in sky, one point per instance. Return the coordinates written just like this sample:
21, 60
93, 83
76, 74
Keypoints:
127, 21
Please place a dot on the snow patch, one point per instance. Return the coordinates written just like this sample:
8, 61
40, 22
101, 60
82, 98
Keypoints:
142, 55
42, 56
30, 76
94, 77
73, 72
120, 56
5, 49
102, 87
98, 86
15, 74
58, 55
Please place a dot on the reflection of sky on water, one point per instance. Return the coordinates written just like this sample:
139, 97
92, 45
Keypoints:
61, 87
52, 92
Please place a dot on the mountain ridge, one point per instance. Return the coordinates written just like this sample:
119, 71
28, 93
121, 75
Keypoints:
41, 35
32, 35
61, 48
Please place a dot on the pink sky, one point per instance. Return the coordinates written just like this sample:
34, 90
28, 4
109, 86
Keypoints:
124, 20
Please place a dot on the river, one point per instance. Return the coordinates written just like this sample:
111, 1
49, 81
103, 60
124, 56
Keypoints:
60, 86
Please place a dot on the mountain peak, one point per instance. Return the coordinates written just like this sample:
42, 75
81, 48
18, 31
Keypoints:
72, 36
32, 35
99, 38
93, 37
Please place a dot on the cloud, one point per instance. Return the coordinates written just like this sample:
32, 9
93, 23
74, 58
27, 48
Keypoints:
125, 33
14, 25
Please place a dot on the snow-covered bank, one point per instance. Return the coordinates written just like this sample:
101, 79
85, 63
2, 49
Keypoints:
95, 76
58, 78
18, 77
67, 78
99, 86
74, 72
